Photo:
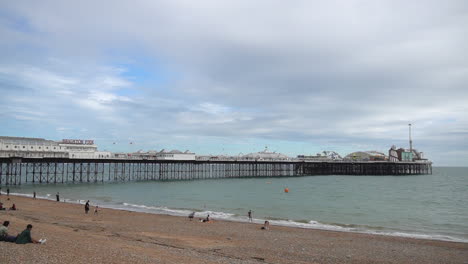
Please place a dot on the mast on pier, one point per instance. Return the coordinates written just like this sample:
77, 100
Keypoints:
410, 140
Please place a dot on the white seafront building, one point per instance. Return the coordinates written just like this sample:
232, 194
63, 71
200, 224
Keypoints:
30, 148
24, 147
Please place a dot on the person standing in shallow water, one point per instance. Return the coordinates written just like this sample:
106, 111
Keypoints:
58, 197
34, 194
250, 215
86, 207
8, 191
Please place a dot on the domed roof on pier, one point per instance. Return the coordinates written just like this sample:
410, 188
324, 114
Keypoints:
266, 155
366, 155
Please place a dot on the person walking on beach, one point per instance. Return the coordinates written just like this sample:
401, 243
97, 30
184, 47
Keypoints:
96, 210
191, 216
58, 197
250, 215
34, 194
86, 207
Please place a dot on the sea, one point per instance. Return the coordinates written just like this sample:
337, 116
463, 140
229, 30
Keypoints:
420, 206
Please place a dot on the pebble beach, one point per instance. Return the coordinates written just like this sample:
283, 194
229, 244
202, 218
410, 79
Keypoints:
117, 236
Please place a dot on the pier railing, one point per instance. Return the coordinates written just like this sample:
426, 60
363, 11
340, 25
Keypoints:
17, 171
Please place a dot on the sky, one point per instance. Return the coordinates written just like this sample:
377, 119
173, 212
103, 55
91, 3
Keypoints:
230, 77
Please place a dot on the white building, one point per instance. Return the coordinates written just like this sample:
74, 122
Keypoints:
393, 154
21, 147
83, 149
24, 147
30, 148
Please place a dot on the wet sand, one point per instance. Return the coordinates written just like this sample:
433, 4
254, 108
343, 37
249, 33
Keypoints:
116, 236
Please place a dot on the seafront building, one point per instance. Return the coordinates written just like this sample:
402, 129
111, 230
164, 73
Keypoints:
30, 148
23, 147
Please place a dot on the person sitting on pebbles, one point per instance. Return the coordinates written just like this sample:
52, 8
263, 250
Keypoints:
13, 207
207, 219
266, 225
4, 233
25, 237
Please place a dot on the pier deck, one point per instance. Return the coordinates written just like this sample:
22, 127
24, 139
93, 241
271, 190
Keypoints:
17, 171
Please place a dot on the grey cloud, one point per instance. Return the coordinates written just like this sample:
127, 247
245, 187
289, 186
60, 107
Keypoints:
348, 72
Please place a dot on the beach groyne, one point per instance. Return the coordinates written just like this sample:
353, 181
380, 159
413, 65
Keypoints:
17, 171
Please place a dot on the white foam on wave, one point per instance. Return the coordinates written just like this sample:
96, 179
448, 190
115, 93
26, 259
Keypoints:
48, 197
419, 236
288, 223
175, 212
31, 196
311, 225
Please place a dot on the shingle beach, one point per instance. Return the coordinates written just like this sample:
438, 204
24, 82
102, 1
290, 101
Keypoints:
116, 236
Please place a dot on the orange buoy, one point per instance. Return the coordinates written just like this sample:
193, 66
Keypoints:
286, 190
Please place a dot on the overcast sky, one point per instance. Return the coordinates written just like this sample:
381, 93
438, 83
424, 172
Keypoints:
230, 77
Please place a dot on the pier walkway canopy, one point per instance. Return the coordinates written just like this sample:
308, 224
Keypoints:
366, 156
265, 155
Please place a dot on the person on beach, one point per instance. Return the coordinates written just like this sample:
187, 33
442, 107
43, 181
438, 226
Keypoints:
207, 219
96, 210
250, 215
25, 236
8, 191
86, 207
34, 194
191, 216
58, 197
266, 225
1, 206
13, 207
4, 233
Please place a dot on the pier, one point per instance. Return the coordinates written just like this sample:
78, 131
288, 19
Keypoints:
17, 171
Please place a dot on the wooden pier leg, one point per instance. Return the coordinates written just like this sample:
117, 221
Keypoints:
96, 171
55, 172
40, 172
1, 173
34, 172
27, 172
16, 173
48, 172
7, 175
